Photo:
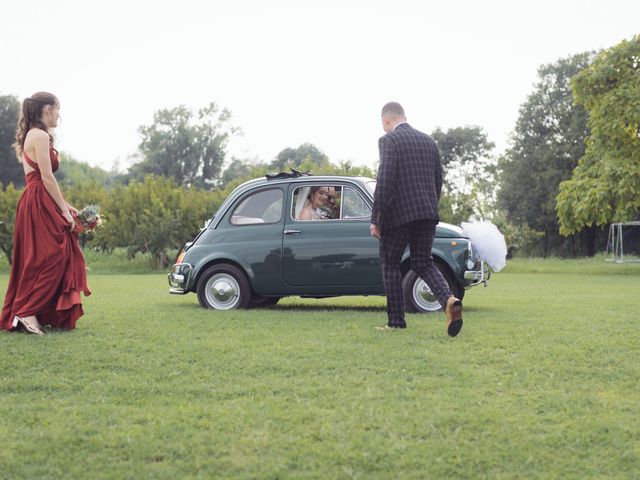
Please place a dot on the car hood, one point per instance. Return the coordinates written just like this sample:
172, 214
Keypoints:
448, 230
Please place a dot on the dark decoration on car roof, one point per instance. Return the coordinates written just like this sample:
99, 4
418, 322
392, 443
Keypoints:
294, 174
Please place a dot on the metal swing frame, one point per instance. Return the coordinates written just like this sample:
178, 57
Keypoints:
615, 242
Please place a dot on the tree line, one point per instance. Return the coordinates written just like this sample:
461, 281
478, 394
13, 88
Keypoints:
572, 167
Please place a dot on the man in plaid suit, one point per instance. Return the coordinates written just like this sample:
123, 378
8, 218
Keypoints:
405, 211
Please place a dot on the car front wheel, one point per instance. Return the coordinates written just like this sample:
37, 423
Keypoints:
418, 297
223, 287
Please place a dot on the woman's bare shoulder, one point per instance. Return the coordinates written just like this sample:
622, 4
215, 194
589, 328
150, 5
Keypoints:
36, 135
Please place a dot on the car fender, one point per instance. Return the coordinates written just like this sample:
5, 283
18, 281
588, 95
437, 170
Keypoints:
215, 258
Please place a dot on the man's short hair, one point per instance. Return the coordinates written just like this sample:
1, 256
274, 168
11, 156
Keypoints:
394, 109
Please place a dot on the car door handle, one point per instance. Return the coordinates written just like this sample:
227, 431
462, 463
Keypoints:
291, 232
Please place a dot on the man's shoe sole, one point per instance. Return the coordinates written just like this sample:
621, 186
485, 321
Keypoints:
456, 323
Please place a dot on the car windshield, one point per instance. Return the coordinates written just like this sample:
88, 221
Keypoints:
370, 186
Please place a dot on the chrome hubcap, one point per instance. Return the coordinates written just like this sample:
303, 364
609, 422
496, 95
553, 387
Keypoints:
223, 291
424, 297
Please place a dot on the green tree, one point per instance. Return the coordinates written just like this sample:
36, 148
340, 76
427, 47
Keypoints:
188, 147
154, 216
237, 169
547, 143
462, 151
605, 186
295, 157
469, 173
344, 167
74, 172
10, 168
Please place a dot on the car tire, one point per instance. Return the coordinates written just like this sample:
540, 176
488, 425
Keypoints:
418, 297
261, 302
223, 287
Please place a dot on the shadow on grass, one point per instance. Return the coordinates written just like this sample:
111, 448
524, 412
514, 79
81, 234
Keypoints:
298, 308
320, 308
330, 308
356, 308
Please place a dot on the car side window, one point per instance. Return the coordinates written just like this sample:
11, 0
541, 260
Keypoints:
257, 208
316, 202
353, 205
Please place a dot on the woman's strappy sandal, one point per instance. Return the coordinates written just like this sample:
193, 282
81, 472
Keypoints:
35, 329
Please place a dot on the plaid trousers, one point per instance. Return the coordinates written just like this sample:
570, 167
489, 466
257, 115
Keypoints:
419, 235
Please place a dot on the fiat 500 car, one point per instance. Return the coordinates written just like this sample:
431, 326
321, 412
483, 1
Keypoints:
307, 236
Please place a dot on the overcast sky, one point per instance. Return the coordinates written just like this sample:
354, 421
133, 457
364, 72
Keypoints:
292, 71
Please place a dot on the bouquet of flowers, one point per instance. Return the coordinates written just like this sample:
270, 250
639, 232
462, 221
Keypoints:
325, 212
87, 219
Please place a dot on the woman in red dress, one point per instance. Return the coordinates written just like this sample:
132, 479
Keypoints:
48, 271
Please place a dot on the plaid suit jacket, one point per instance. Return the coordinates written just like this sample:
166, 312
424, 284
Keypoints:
409, 178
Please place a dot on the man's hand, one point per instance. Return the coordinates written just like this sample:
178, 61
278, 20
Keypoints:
375, 231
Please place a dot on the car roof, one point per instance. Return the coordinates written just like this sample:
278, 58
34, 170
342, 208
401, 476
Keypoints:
303, 179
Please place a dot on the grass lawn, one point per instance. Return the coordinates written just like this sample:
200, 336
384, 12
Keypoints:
543, 382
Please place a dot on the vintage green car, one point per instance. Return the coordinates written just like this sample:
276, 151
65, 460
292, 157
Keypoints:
258, 248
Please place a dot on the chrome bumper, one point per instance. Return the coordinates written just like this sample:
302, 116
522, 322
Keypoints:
476, 277
178, 278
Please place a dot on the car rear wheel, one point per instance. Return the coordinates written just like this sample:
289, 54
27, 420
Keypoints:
223, 287
418, 297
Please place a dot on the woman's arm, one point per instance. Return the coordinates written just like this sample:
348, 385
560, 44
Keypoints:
41, 145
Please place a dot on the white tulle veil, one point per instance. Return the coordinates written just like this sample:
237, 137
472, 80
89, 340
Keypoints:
301, 199
488, 243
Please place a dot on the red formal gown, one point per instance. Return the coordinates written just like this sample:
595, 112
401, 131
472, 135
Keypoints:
48, 271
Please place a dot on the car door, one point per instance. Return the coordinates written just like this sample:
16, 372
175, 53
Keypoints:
252, 233
336, 251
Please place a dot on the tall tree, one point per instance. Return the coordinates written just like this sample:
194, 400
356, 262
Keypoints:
294, 157
185, 146
605, 186
10, 169
547, 143
238, 169
462, 151
469, 173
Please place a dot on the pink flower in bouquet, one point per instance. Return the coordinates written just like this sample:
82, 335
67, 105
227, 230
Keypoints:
88, 219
